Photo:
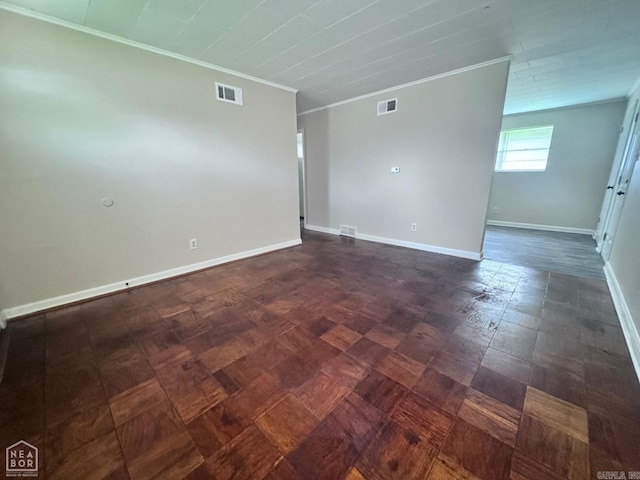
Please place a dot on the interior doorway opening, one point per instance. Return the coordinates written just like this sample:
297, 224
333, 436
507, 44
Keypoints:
302, 184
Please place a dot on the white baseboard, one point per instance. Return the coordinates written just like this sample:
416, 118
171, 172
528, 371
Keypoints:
3, 320
41, 305
629, 329
315, 228
403, 243
548, 228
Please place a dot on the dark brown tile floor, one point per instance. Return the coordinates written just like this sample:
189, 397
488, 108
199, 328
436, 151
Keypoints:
336, 359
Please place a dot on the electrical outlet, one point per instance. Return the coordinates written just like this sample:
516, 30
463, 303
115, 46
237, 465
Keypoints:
193, 244
414, 227
496, 209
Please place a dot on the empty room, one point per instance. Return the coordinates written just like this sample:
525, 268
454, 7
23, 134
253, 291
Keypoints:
320, 239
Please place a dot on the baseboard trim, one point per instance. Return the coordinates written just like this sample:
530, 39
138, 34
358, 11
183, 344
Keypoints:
403, 243
3, 320
535, 226
315, 228
629, 329
102, 290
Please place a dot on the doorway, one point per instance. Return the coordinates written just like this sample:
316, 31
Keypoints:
302, 184
617, 190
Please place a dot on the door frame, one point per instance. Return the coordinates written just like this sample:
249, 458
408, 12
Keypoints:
304, 174
609, 200
620, 190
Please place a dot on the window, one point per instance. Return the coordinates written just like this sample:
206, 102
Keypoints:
524, 149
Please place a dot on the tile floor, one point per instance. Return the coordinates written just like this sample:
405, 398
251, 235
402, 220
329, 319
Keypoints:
568, 253
336, 359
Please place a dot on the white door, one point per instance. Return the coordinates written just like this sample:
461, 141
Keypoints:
610, 195
620, 190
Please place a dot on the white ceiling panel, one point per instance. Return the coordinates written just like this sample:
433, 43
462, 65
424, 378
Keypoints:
196, 36
423, 67
183, 10
433, 14
270, 46
396, 28
227, 13
117, 17
308, 48
158, 25
328, 12
390, 59
287, 9
257, 25
352, 49
563, 51
70, 10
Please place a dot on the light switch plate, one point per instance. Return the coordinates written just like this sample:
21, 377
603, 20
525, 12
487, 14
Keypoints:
395, 169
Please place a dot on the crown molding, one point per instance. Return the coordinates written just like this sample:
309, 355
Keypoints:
115, 38
508, 58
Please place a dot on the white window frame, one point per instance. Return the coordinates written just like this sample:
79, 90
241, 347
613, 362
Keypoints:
503, 150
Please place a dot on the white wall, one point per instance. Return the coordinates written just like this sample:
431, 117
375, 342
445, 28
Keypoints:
623, 267
443, 137
570, 192
84, 118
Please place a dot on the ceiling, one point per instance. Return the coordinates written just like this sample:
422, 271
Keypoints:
564, 52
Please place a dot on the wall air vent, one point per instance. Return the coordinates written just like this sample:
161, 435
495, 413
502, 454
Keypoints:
227, 93
387, 106
347, 231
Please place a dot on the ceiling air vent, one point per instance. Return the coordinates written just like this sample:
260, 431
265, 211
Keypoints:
227, 93
347, 231
387, 106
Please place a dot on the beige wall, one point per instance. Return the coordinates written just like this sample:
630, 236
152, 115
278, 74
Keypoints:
84, 118
570, 192
625, 255
443, 137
